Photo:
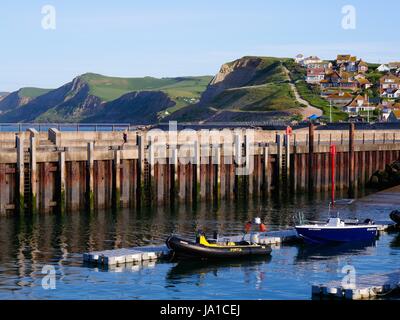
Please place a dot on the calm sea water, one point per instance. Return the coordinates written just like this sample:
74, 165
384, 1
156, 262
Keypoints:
28, 243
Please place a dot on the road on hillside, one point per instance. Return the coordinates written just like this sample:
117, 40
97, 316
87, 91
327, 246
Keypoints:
306, 112
309, 110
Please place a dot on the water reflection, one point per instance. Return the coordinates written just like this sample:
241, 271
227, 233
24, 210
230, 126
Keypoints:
28, 242
395, 243
199, 270
334, 251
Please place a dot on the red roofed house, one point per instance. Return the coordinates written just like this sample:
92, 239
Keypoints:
315, 75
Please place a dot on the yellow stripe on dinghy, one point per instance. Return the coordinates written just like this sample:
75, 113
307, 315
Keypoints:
204, 242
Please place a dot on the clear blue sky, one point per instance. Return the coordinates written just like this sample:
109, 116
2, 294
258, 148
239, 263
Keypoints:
181, 37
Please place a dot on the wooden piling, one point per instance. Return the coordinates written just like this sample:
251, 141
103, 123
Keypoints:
294, 171
266, 171
318, 172
351, 173
90, 176
287, 155
238, 153
62, 182
117, 179
72, 178
280, 159
34, 205
217, 172
173, 165
140, 167
20, 174
311, 157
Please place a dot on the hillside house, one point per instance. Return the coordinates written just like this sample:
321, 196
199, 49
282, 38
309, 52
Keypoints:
383, 68
314, 76
394, 65
394, 116
396, 95
386, 108
344, 58
362, 67
363, 83
331, 80
320, 65
360, 103
389, 85
299, 58
340, 99
310, 60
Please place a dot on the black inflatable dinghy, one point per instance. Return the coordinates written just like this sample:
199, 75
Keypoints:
202, 249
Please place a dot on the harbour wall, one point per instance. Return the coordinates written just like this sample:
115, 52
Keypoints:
70, 171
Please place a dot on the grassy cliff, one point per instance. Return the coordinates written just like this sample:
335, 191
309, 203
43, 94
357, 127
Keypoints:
247, 88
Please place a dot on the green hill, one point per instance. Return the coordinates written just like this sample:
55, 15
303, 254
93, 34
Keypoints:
181, 89
32, 93
248, 85
87, 97
270, 97
17, 99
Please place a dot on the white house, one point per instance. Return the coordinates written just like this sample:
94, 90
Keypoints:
360, 103
383, 68
315, 75
310, 60
299, 58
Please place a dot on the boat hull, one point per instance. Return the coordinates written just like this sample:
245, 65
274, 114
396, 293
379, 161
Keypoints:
185, 249
337, 235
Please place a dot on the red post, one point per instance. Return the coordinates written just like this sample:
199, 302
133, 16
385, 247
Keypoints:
333, 173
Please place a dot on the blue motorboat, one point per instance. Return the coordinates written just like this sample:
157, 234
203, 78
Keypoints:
338, 231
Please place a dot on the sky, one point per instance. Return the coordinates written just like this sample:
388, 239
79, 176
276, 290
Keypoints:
132, 38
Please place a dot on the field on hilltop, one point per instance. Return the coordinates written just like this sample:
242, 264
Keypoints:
180, 89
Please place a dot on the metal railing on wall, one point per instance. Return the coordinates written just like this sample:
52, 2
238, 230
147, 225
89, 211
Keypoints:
76, 127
